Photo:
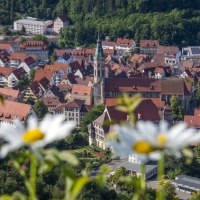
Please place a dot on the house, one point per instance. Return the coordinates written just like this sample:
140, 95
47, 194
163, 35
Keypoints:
43, 73
4, 73
14, 77
82, 92
98, 129
133, 166
28, 64
36, 89
61, 22
149, 46
9, 47
159, 72
3, 62
193, 121
11, 110
51, 103
58, 70
190, 52
39, 48
66, 59
74, 110
124, 44
150, 88
32, 25
54, 92
171, 54
108, 45
16, 59
187, 184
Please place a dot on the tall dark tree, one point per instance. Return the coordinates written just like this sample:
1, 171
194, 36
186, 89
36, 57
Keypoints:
40, 109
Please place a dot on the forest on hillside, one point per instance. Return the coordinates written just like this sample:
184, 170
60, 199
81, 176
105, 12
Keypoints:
173, 22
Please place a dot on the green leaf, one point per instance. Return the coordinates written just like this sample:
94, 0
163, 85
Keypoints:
6, 197
68, 157
78, 186
122, 108
1, 99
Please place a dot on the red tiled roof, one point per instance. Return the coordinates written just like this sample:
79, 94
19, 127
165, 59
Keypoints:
132, 85
82, 90
192, 121
108, 43
18, 56
54, 67
40, 74
173, 86
165, 86
167, 50
35, 44
197, 112
14, 110
5, 46
146, 110
6, 71
108, 51
64, 18
49, 101
149, 43
159, 70
156, 101
9, 92
50, 26
123, 41
76, 103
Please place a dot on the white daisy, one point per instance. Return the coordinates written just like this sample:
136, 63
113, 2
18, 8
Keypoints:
149, 140
36, 135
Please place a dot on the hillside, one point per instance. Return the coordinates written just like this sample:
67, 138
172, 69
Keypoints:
171, 21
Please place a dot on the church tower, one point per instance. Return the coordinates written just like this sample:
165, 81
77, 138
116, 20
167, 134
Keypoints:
99, 74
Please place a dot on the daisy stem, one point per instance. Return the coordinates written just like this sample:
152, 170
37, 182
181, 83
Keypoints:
143, 180
161, 169
33, 178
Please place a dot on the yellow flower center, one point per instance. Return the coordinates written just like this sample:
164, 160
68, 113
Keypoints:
33, 135
162, 138
143, 147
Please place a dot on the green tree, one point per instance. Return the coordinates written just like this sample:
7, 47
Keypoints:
195, 196
40, 38
30, 101
95, 112
23, 31
54, 57
24, 81
32, 74
6, 31
198, 96
22, 40
118, 173
40, 108
169, 192
197, 151
177, 108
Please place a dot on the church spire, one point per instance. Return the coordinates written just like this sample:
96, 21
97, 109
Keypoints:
99, 50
